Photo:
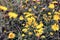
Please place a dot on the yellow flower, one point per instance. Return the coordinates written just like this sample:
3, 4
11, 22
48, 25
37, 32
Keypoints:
43, 36
12, 15
21, 18
23, 35
4, 30
23, 6
40, 25
11, 35
57, 13
37, 34
29, 21
30, 33
3, 8
33, 19
29, 9
55, 27
56, 17
59, 10
38, 2
35, 24
26, 25
28, 15
25, 30
51, 6
40, 30
49, 13
51, 33
35, 7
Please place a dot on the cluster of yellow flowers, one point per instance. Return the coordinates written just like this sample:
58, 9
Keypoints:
31, 20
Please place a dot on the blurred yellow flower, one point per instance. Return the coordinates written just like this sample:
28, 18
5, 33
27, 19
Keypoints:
12, 15
38, 2
59, 10
40, 25
43, 36
34, 20
41, 30
30, 33
37, 34
3, 8
23, 6
29, 21
35, 24
56, 12
49, 13
25, 30
21, 18
29, 9
11, 35
35, 7
56, 17
55, 27
51, 6
23, 35
51, 33
4, 30
28, 15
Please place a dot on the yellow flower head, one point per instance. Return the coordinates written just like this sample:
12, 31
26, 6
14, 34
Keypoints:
26, 25
56, 12
55, 27
25, 30
35, 24
29, 9
40, 30
11, 35
40, 25
3, 8
56, 17
51, 6
12, 15
29, 19
30, 33
23, 35
21, 18
37, 34
49, 13
43, 36
35, 7
51, 33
